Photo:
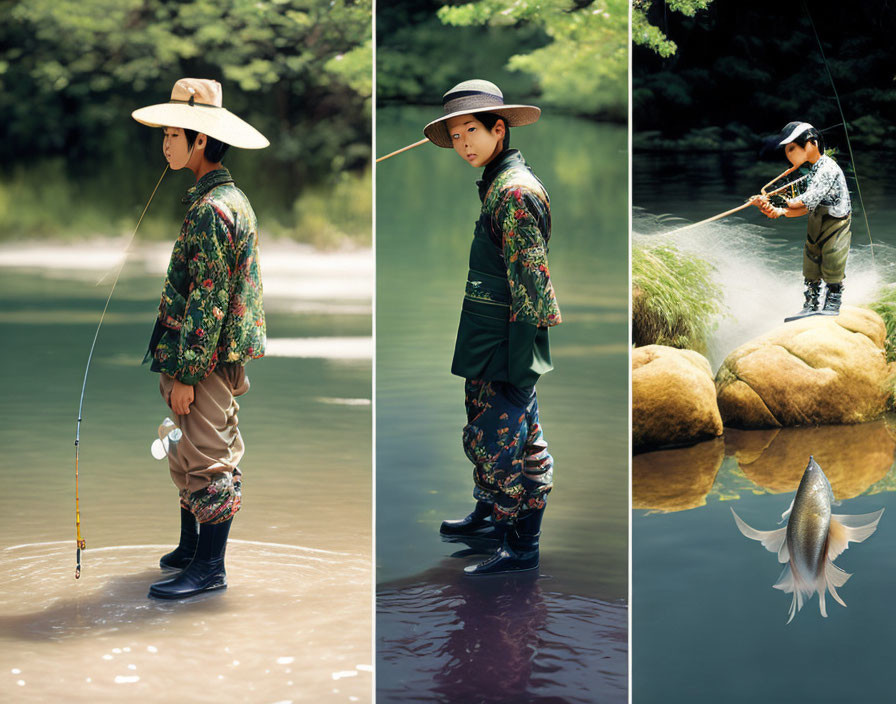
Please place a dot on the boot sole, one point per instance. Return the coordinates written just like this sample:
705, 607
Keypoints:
185, 595
800, 316
501, 573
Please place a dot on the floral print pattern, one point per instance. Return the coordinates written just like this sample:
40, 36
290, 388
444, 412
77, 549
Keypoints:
520, 215
218, 502
512, 468
827, 186
211, 305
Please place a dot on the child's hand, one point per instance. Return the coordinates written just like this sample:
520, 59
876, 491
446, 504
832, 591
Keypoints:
181, 397
767, 208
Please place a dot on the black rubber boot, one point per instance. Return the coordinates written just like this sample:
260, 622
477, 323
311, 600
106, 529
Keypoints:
519, 552
180, 557
479, 525
832, 299
205, 572
810, 307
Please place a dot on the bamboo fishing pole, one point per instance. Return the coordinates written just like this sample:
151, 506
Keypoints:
749, 202
403, 149
80, 543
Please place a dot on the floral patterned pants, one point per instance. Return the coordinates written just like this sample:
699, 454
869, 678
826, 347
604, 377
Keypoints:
512, 468
203, 463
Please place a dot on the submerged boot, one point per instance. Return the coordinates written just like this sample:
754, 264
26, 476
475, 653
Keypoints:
180, 557
810, 307
519, 552
205, 572
832, 299
478, 525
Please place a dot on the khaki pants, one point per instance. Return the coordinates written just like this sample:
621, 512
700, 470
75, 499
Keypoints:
827, 246
203, 464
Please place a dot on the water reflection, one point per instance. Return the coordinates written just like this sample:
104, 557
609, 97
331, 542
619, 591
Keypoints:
853, 456
446, 638
676, 480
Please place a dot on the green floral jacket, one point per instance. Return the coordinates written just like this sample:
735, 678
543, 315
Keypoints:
211, 307
520, 213
509, 302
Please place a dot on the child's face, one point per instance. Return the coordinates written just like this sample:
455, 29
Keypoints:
798, 155
476, 144
176, 149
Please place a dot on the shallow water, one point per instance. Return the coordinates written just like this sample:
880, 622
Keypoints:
707, 624
294, 623
426, 207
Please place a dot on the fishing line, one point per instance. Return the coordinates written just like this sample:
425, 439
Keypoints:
845, 130
79, 541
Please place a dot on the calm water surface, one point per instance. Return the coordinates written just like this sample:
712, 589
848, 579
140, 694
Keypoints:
707, 624
560, 637
294, 623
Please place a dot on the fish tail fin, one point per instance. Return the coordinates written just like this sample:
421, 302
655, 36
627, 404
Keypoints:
832, 578
850, 529
789, 582
772, 540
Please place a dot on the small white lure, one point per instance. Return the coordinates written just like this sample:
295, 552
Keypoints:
169, 435
811, 540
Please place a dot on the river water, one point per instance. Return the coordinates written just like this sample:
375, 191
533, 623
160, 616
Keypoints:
707, 625
294, 624
561, 636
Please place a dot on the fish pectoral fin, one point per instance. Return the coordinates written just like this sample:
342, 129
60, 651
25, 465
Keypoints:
772, 540
850, 529
786, 514
833, 577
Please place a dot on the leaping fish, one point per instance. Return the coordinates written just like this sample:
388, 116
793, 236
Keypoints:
811, 540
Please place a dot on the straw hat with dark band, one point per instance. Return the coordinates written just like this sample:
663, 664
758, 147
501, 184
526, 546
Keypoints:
474, 96
196, 104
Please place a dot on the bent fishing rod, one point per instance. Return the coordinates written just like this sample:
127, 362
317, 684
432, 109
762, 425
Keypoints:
403, 149
80, 543
763, 193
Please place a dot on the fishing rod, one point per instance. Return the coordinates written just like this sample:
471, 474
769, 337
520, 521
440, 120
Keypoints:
80, 543
763, 192
845, 130
403, 149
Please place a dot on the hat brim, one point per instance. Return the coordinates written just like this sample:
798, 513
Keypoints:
516, 116
219, 123
787, 136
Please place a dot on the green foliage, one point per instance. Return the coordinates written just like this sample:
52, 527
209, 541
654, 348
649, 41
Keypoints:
583, 69
675, 301
652, 37
72, 71
885, 306
77, 68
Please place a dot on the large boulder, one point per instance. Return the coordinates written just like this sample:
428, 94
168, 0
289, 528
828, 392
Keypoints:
820, 370
673, 398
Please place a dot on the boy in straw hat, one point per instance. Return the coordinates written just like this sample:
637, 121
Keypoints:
826, 201
502, 340
210, 323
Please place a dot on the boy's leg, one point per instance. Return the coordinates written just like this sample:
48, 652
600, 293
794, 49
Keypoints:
538, 465
835, 242
203, 464
495, 439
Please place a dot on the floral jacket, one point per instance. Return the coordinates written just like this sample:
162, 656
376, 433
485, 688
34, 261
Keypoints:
520, 213
509, 302
827, 186
211, 306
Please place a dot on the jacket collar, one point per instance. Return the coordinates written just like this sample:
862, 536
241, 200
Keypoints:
505, 160
212, 179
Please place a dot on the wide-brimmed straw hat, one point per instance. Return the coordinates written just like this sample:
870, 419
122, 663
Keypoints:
474, 96
196, 104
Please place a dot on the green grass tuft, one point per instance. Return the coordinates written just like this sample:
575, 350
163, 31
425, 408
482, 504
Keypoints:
675, 301
885, 306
